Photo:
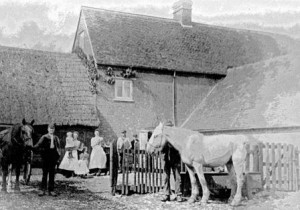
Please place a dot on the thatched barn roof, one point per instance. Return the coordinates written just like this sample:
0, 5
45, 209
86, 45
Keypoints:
124, 39
45, 86
265, 94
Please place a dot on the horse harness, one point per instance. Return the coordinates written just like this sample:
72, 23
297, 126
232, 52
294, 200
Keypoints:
14, 140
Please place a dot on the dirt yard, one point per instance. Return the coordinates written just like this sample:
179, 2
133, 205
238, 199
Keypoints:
94, 193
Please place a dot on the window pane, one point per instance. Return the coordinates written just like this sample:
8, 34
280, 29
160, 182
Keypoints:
127, 89
119, 88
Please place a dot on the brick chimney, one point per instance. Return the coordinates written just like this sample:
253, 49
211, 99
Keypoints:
182, 12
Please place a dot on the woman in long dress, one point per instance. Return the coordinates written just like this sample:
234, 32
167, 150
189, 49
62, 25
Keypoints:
98, 156
70, 160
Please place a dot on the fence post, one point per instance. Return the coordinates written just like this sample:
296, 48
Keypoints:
157, 171
123, 170
291, 149
139, 170
285, 167
146, 172
297, 168
273, 173
160, 171
134, 167
260, 158
114, 161
279, 166
127, 153
267, 167
149, 173
142, 172
153, 173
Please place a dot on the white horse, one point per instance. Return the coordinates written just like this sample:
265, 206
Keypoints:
197, 151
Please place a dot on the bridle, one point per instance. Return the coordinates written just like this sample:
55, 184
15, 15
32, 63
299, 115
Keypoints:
161, 139
24, 140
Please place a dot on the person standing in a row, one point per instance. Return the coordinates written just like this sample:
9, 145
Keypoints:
122, 143
172, 162
50, 152
98, 156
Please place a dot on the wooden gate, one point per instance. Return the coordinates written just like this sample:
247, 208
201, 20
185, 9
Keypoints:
281, 167
140, 173
277, 164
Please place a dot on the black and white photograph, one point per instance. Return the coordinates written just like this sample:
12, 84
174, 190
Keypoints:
139, 104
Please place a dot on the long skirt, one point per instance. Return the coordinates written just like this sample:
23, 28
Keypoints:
98, 158
69, 163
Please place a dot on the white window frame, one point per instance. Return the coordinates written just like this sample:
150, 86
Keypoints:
123, 98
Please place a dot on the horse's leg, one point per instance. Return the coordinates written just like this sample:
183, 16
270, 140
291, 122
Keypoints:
9, 180
4, 175
239, 160
17, 184
195, 190
205, 191
232, 178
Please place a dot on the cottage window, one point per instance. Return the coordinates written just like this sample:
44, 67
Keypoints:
123, 90
81, 40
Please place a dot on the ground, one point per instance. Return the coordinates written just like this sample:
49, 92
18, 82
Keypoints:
94, 193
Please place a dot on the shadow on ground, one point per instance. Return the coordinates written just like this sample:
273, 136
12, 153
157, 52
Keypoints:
72, 194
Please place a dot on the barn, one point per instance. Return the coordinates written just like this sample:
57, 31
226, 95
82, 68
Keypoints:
260, 95
47, 87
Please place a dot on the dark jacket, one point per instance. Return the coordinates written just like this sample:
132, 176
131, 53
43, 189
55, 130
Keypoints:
44, 145
171, 154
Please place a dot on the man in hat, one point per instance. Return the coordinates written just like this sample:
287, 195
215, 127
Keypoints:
50, 153
122, 143
172, 162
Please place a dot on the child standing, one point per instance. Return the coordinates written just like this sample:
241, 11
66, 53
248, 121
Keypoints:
82, 170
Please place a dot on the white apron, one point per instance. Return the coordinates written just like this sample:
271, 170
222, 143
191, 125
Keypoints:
69, 164
98, 156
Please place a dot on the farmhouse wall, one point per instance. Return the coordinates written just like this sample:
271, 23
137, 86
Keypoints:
152, 102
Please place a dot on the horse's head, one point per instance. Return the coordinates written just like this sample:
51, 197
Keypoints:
157, 141
26, 133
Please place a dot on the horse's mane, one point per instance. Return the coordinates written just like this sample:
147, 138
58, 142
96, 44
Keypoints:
16, 131
179, 136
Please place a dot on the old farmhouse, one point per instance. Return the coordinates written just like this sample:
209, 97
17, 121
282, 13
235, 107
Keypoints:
177, 63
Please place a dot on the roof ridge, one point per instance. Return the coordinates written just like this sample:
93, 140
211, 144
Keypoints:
33, 51
128, 13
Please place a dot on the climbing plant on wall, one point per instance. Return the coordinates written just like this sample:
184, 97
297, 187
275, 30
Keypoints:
110, 74
89, 63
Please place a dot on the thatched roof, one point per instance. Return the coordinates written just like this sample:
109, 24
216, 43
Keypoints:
125, 39
47, 87
265, 94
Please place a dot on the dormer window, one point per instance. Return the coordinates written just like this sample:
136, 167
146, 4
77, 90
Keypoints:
123, 89
81, 40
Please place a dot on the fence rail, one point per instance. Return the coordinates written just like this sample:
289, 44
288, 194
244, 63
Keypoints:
277, 164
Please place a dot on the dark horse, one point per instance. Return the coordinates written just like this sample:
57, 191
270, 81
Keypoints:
13, 143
